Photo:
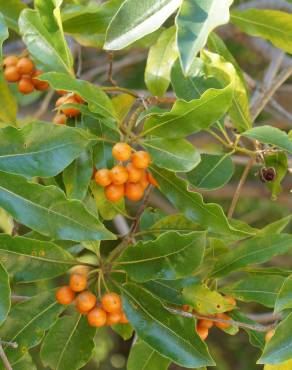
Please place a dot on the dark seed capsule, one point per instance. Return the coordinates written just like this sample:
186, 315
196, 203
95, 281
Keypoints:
268, 174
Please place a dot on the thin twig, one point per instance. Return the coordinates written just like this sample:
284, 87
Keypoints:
239, 187
18, 298
9, 344
255, 327
140, 211
4, 359
110, 69
44, 106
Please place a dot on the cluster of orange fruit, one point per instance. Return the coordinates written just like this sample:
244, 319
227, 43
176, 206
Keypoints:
108, 312
204, 325
65, 112
130, 180
22, 71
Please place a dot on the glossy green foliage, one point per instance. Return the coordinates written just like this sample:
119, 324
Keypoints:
11, 12
284, 298
4, 293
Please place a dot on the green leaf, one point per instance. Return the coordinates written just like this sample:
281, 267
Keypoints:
125, 331
196, 19
4, 293
50, 14
29, 260
26, 363
46, 210
204, 300
131, 23
284, 299
47, 50
279, 162
177, 155
270, 135
178, 223
28, 321
272, 25
77, 176
11, 11
172, 336
69, 343
40, 148
123, 104
169, 257
276, 227
262, 289
161, 57
143, 357
255, 250
279, 348
213, 172
191, 204
98, 101
287, 365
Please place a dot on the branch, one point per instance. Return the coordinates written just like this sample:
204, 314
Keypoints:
255, 327
8, 344
4, 359
18, 298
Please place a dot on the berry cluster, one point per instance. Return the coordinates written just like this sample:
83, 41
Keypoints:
130, 180
65, 112
108, 312
22, 70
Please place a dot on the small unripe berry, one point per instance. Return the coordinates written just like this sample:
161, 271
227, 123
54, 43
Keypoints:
97, 317
122, 152
114, 193
78, 282
135, 174
141, 159
25, 85
10, 61
25, 66
102, 177
85, 301
65, 295
119, 175
11, 74
111, 302
134, 191
222, 325
60, 119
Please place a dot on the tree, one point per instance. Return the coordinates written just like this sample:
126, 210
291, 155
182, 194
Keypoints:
81, 247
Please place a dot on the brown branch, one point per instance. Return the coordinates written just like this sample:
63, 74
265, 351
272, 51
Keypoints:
18, 298
110, 69
4, 359
9, 344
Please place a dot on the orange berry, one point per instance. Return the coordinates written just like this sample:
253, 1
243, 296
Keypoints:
135, 174
10, 61
134, 191
61, 101
85, 301
61, 92
60, 119
204, 323
202, 332
97, 317
38, 84
111, 302
222, 325
119, 175
123, 319
11, 74
269, 335
102, 177
78, 98
65, 295
70, 112
25, 66
151, 179
78, 282
144, 180
114, 192
141, 159
113, 318
122, 152
231, 301
185, 307
25, 85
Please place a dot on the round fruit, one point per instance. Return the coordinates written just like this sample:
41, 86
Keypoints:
111, 302
11, 74
10, 61
204, 323
65, 295
113, 318
25, 66
102, 177
85, 301
123, 319
269, 335
78, 98
119, 175
141, 159
61, 101
151, 179
60, 119
185, 307
97, 317
114, 192
70, 112
122, 152
25, 85
222, 325
231, 301
135, 174
134, 191
144, 180
61, 92
78, 282
202, 332
38, 84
